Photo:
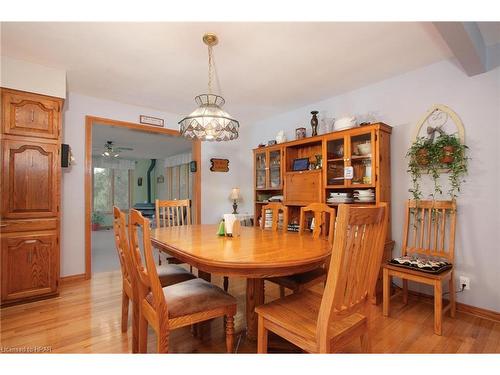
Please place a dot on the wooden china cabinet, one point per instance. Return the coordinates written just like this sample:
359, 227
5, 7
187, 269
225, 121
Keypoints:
364, 151
30, 185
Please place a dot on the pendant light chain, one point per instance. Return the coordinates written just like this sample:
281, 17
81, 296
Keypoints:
210, 69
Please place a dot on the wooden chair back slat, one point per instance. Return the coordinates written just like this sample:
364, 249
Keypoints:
122, 244
320, 211
436, 234
354, 267
430, 229
173, 213
275, 208
148, 275
137, 221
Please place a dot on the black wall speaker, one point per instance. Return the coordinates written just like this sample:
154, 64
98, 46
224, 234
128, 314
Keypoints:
65, 155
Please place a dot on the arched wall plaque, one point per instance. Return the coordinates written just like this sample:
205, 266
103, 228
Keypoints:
437, 117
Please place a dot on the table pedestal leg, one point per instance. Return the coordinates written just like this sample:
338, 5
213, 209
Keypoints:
255, 297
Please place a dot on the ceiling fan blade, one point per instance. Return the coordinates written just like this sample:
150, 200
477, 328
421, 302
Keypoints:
125, 148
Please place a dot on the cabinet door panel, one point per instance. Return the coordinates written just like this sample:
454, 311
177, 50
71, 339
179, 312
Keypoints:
30, 115
303, 188
274, 164
261, 168
30, 180
29, 265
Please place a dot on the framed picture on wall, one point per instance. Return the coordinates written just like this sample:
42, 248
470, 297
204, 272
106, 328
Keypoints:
149, 120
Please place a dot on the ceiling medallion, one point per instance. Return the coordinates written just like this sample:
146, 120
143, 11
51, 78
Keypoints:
209, 122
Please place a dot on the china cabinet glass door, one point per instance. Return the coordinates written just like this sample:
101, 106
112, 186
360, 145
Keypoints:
361, 150
274, 169
336, 161
260, 170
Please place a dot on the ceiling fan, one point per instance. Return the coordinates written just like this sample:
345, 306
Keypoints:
112, 151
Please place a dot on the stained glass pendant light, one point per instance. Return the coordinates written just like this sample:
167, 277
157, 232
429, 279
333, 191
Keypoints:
209, 122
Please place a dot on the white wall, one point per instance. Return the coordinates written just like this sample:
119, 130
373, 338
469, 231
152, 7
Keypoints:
25, 76
215, 186
400, 102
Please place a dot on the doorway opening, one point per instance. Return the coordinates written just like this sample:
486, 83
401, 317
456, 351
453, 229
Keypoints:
131, 165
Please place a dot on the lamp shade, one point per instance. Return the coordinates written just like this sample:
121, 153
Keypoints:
235, 194
209, 122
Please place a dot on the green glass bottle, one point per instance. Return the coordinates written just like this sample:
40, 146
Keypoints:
222, 228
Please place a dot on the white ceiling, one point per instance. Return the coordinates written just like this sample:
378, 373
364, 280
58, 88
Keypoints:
145, 145
263, 68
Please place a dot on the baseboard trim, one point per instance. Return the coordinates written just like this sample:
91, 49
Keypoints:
479, 312
462, 307
73, 278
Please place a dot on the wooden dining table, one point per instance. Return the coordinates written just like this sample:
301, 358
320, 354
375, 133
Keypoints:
255, 254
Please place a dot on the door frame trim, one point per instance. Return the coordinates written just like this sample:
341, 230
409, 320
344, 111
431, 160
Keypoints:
90, 121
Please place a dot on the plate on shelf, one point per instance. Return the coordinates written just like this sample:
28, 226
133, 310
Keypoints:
365, 200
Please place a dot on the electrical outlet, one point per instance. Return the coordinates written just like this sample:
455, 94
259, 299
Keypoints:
464, 281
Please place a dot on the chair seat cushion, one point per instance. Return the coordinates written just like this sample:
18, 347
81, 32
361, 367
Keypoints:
301, 280
170, 274
420, 263
192, 296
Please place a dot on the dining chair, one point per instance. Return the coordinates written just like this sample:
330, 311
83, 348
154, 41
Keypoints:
428, 233
305, 280
325, 323
175, 306
270, 215
168, 274
172, 213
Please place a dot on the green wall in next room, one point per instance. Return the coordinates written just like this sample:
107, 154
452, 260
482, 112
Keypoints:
140, 193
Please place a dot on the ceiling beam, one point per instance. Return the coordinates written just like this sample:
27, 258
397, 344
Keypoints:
466, 42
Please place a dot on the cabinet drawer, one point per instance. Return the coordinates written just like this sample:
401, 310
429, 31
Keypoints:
9, 226
302, 188
30, 114
30, 264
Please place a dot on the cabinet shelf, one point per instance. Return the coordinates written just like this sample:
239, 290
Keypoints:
305, 171
352, 203
335, 159
352, 186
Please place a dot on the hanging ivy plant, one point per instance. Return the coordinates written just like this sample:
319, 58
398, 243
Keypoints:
446, 154
418, 155
451, 154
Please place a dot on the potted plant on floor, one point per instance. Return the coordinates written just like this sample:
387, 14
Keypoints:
97, 220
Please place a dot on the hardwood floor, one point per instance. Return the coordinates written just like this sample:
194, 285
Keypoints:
86, 319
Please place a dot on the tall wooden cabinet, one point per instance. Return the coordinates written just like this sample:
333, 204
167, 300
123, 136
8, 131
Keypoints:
364, 151
30, 190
